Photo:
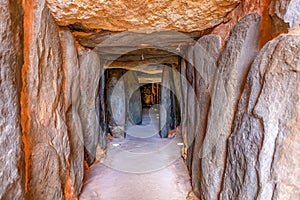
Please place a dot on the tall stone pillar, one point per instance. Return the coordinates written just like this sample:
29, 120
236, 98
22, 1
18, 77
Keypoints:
233, 67
90, 69
167, 115
133, 97
116, 103
72, 98
12, 165
43, 115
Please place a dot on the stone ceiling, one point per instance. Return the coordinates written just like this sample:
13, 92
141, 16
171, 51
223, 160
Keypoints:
122, 30
142, 15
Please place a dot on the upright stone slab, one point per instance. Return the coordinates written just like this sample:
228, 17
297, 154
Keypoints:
206, 53
43, 117
183, 105
191, 107
71, 105
89, 86
133, 97
116, 104
102, 108
177, 94
233, 66
167, 115
264, 147
12, 166
285, 13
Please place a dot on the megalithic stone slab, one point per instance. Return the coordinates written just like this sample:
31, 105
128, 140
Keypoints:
123, 15
183, 105
12, 166
116, 104
285, 13
191, 105
167, 115
233, 67
71, 105
177, 95
102, 109
133, 97
206, 53
43, 114
89, 83
264, 147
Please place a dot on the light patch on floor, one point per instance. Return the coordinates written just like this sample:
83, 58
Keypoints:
141, 167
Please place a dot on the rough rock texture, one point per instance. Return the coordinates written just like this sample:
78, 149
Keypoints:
167, 103
177, 94
71, 105
133, 97
43, 117
192, 105
183, 105
264, 147
125, 15
244, 8
102, 109
176, 74
12, 166
285, 13
90, 69
233, 66
116, 103
206, 53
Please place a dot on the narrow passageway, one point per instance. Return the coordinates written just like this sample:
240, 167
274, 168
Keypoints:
141, 167
219, 82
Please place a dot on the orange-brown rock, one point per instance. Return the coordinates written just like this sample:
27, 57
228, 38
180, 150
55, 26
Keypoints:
42, 105
122, 15
244, 8
72, 98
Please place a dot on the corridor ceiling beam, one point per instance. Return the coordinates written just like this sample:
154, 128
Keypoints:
139, 65
120, 43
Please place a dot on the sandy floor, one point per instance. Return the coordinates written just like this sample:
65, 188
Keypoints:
140, 167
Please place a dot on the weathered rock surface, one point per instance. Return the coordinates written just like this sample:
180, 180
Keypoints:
90, 69
177, 94
12, 166
191, 104
116, 103
285, 13
167, 119
126, 15
261, 7
102, 109
43, 116
264, 147
233, 66
72, 99
206, 53
133, 97
183, 105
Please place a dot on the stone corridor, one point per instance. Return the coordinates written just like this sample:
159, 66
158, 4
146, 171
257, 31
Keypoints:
142, 166
220, 79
